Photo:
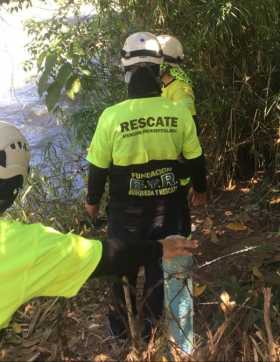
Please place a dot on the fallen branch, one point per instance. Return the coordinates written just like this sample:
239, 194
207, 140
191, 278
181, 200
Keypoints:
207, 263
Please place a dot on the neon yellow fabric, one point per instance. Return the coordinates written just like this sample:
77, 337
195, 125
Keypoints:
137, 131
180, 91
39, 261
185, 181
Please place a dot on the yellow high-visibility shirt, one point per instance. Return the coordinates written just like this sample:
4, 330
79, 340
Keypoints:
178, 90
140, 130
39, 261
141, 140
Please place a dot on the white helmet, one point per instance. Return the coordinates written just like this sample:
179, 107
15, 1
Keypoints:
142, 47
172, 49
14, 152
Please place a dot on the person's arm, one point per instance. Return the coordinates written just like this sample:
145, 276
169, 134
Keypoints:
195, 162
96, 183
60, 264
119, 257
198, 176
197, 123
100, 158
197, 170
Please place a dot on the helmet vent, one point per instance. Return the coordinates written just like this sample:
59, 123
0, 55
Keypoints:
13, 146
20, 145
3, 158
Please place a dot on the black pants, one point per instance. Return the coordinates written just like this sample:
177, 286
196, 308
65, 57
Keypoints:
147, 219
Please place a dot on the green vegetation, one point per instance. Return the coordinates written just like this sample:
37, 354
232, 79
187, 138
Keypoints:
232, 53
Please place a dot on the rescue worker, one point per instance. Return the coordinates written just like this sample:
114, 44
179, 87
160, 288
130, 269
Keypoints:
177, 85
136, 144
39, 261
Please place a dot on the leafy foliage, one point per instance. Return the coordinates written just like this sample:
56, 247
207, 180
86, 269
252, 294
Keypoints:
15, 5
232, 53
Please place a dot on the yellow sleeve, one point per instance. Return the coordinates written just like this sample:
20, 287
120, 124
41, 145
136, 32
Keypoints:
62, 263
100, 150
191, 147
39, 261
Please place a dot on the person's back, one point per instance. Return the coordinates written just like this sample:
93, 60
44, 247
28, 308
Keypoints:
144, 138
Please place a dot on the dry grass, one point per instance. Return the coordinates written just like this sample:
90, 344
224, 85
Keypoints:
55, 330
237, 316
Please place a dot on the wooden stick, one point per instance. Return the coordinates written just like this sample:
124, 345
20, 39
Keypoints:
131, 321
245, 250
267, 323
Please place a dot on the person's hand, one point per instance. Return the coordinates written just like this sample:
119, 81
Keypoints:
92, 210
178, 245
198, 198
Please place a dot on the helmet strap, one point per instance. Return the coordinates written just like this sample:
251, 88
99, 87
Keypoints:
127, 76
9, 190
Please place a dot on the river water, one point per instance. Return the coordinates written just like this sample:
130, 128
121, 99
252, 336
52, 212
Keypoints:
21, 105
19, 100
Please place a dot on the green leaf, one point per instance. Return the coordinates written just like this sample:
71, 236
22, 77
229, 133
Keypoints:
64, 73
40, 59
50, 62
54, 90
43, 83
53, 95
49, 65
86, 72
73, 86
